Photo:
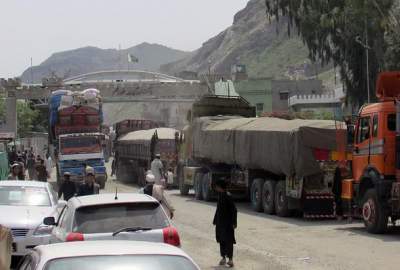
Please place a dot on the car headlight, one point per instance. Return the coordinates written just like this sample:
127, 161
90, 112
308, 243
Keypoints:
43, 230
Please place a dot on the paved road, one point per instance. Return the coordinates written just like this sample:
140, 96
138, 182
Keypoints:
269, 242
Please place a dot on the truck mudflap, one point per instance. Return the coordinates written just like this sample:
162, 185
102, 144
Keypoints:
319, 205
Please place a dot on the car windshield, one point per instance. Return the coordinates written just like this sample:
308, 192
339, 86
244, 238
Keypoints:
24, 196
131, 262
110, 218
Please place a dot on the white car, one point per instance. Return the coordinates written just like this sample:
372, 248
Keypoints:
23, 205
127, 216
108, 255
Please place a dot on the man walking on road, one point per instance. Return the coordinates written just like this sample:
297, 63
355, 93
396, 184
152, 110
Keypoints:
157, 169
67, 189
225, 221
90, 187
41, 171
30, 165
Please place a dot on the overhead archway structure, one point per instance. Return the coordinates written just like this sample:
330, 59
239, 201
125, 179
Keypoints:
122, 76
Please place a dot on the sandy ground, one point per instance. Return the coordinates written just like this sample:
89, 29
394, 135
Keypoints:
270, 242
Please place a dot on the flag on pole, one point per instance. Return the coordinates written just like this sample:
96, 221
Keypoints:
132, 58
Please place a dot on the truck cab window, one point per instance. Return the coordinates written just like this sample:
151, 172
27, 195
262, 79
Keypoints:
391, 122
363, 129
375, 126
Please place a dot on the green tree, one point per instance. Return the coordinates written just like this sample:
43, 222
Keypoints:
28, 118
337, 30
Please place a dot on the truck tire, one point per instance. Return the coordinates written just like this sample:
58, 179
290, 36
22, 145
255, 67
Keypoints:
207, 191
268, 197
374, 215
256, 194
281, 201
198, 186
183, 189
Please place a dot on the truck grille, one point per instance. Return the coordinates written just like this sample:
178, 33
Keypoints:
19, 232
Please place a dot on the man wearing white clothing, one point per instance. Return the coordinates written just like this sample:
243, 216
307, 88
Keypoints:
157, 169
49, 164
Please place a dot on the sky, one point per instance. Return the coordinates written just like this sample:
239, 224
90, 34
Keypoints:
37, 28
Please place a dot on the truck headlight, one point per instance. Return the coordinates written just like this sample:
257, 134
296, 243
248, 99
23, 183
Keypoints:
43, 230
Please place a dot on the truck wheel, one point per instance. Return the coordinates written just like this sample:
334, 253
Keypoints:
256, 194
183, 189
374, 214
281, 201
268, 197
198, 186
206, 187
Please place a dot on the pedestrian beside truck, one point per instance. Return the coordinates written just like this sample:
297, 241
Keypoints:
67, 188
225, 221
157, 168
90, 187
157, 191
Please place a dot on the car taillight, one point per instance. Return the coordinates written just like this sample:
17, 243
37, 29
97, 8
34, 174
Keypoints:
72, 237
171, 236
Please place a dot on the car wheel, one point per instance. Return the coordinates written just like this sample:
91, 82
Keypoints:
268, 197
374, 214
256, 194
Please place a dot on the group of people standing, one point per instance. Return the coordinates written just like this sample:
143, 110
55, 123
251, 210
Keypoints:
69, 189
37, 167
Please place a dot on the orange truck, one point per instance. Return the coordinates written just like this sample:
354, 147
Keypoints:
373, 190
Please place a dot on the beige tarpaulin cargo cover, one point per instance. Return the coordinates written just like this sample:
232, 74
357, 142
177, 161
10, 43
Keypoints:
5, 248
283, 147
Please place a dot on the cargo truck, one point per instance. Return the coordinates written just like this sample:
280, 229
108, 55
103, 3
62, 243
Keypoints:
280, 165
135, 151
75, 139
373, 189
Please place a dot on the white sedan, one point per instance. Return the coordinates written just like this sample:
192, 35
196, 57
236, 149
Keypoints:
23, 205
108, 255
127, 216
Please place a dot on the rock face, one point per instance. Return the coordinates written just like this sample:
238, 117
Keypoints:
253, 39
91, 59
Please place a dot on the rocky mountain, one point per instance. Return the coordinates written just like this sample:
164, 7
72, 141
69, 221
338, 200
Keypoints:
263, 45
91, 59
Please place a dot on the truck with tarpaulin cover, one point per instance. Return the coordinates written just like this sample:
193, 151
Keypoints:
371, 183
280, 165
136, 150
75, 134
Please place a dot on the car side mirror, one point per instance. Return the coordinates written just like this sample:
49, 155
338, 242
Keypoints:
49, 221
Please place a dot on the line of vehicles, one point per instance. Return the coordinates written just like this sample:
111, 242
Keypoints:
286, 166
46, 230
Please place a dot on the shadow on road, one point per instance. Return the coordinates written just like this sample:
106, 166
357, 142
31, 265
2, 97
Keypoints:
244, 207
